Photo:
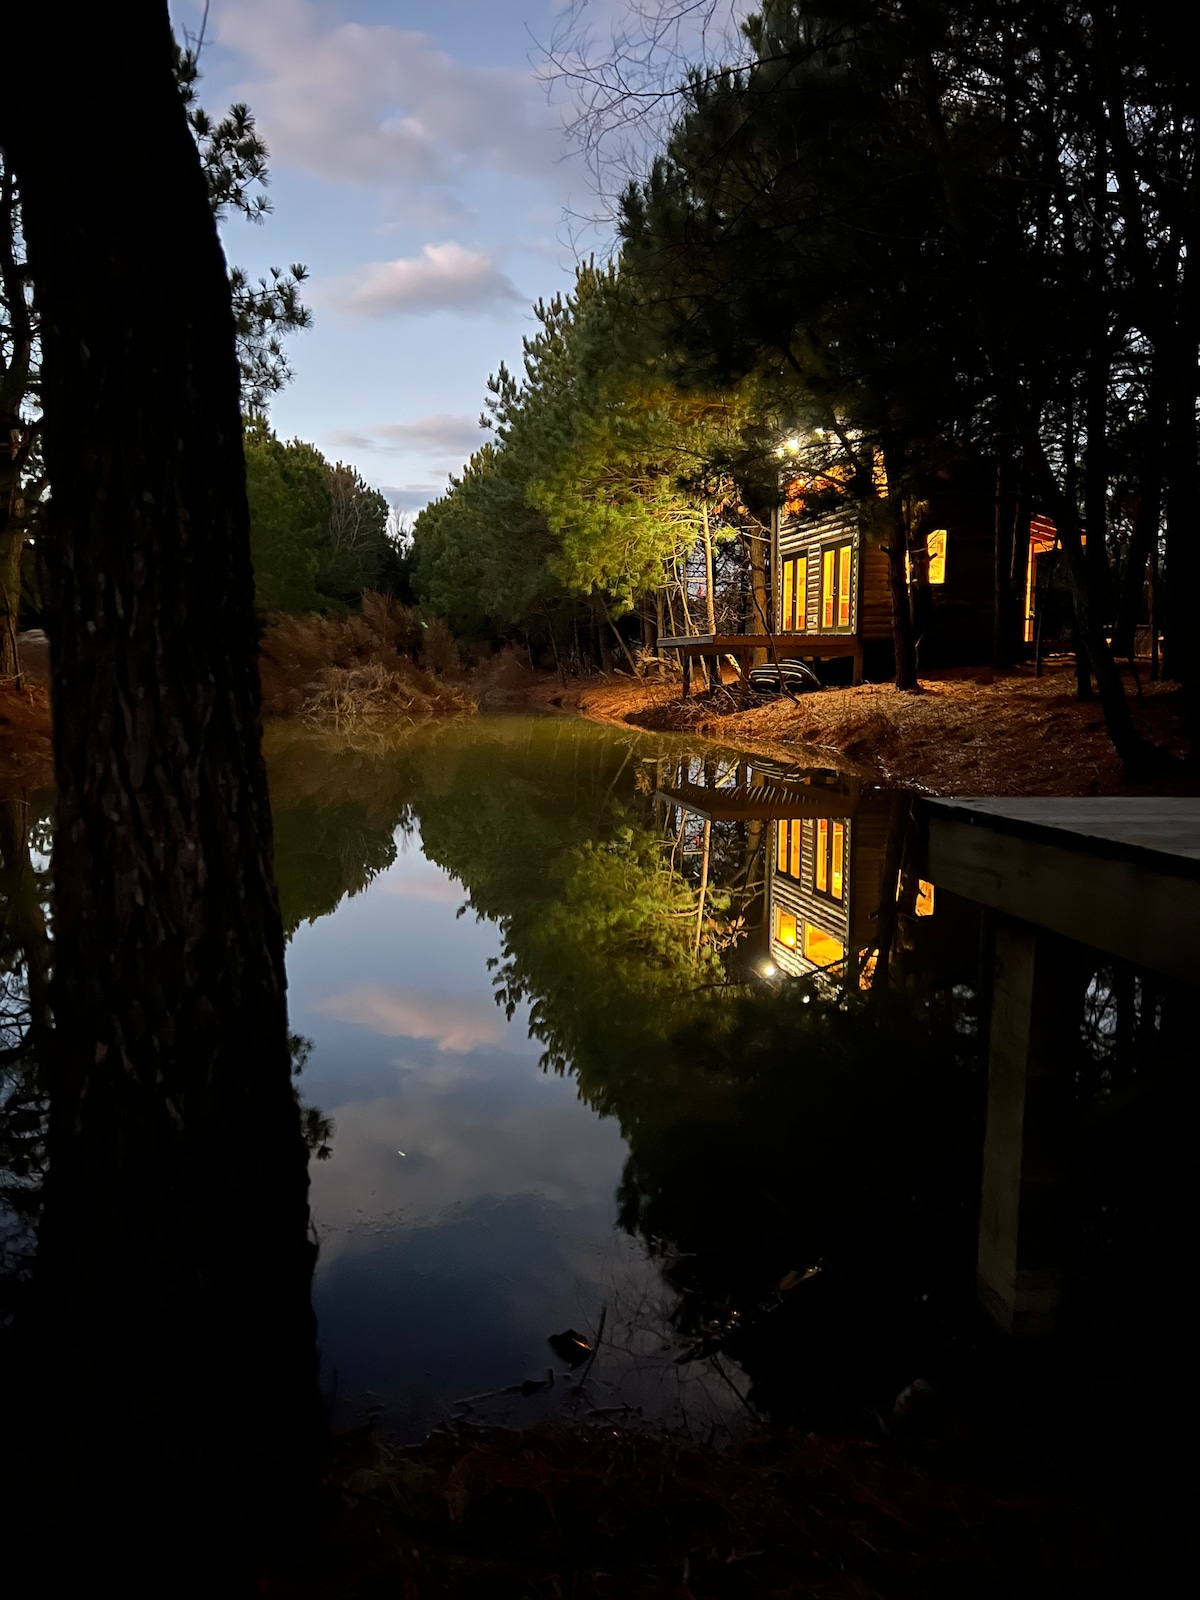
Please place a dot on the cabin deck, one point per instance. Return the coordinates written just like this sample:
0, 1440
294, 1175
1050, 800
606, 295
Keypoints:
802, 646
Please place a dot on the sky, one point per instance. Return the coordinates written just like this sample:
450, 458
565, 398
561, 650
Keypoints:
420, 172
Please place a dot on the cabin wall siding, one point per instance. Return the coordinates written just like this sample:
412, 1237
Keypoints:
957, 628
803, 901
812, 539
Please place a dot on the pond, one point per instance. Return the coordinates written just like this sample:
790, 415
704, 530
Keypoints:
599, 1023
648, 1083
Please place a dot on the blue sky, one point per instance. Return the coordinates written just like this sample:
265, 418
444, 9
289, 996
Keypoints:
420, 173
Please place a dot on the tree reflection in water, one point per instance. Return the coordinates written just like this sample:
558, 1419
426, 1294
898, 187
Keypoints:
803, 1150
24, 970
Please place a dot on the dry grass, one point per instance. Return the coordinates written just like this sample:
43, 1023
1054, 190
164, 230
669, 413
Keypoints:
345, 696
360, 668
967, 732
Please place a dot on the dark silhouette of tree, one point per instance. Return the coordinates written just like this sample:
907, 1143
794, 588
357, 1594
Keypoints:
171, 1328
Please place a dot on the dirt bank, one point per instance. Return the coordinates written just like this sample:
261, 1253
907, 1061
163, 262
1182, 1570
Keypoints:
26, 757
966, 732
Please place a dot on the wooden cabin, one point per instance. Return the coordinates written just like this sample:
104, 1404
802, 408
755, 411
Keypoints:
832, 585
824, 884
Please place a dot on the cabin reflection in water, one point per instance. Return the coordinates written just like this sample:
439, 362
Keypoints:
828, 844
1066, 927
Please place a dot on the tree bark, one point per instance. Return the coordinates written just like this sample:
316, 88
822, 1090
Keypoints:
1182, 574
172, 1317
1010, 566
888, 512
1147, 514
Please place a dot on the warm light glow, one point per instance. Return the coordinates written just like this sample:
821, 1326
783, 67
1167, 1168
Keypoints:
827, 589
785, 929
924, 905
936, 545
868, 961
795, 594
844, 586
821, 865
794, 857
821, 948
768, 969
839, 851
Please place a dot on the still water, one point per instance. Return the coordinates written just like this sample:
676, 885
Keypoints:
650, 1083
603, 1033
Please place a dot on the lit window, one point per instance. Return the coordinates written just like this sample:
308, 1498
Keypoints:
837, 564
787, 848
844, 586
821, 948
937, 555
924, 905
829, 859
795, 595
785, 929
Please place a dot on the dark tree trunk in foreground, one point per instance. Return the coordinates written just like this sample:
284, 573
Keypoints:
173, 1315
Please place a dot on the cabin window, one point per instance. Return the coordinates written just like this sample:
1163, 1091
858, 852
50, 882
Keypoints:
836, 567
793, 618
829, 859
821, 948
788, 837
936, 545
785, 929
844, 586
924, 902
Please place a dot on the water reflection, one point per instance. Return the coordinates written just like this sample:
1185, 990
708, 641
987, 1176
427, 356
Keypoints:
24, 971
698, 1049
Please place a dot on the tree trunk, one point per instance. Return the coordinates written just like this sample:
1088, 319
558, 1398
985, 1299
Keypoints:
1147, 514
1182, 567
12, 542
886, 514
172, 1316
1006, 612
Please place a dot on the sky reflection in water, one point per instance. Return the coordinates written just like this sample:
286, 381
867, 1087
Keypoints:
468, 1208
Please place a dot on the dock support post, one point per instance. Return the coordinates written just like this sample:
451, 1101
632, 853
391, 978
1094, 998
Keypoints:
858, 661
687, 675
1020, 1219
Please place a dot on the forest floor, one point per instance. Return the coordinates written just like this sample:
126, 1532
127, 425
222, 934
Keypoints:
605, 1514
967, 731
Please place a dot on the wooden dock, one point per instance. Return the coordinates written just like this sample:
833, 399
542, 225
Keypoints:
1120, 875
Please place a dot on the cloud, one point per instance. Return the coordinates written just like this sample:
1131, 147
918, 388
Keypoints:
452, 436
444, 277
375, 104
413, 496
421, 885
455, 1022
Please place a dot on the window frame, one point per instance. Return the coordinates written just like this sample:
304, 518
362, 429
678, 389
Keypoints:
793, 609
830, 841
837, 587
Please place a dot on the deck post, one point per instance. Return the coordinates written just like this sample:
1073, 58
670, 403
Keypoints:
1020, 1219
687, 674
858, 661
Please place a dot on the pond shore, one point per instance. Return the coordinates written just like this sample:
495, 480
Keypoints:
967, 731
